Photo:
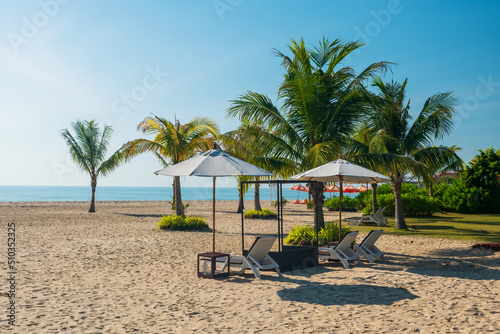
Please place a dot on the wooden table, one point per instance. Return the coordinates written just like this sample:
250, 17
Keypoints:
213, 272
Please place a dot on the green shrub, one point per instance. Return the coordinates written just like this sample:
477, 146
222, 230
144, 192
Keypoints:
385, 188
306, 235
478, 188
264, 213
184, 206
459, 197
414, 203
348, 204
284, 202
330, 233
299, 234
175, 222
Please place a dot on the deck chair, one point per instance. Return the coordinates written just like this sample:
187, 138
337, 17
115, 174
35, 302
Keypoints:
376, 218
379, 217
257, 258
367, 247
342, 251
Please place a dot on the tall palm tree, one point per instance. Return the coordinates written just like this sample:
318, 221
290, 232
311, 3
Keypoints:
396, 146
88, 147
173, 143
320, 105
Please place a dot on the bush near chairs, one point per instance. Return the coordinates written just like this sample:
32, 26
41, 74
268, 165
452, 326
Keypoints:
175, 222
264, 213
306, 235
416, 201
348, 204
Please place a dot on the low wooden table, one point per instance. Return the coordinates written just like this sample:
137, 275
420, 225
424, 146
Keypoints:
213, 272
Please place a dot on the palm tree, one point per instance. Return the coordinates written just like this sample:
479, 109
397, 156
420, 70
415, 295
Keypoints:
245, 144
399, 148
88, 149
173, 143
320, 105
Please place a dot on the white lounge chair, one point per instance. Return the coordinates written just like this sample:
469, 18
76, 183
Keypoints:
257, 258
381, 220
376, 218
342, 251
367, 247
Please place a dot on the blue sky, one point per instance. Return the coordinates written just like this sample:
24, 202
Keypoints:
64, 60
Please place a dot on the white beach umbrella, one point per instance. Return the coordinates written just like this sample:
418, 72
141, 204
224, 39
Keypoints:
341, 171
214, 163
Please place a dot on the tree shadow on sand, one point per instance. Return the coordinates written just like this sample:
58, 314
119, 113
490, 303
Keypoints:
142, 215
343, 294
473, 264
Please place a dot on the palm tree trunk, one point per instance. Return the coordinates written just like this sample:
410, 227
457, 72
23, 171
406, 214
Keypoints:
256, 197
374, 198
93, 185
179, 210
431, 190
241, 206
399, 216
316, 190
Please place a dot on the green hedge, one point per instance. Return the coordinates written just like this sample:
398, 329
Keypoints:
416, 201
306, 235
175, 222
264, 213
348, 204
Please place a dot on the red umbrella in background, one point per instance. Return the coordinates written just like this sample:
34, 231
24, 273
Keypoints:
350, 189
362, 188
298, 187
331, 188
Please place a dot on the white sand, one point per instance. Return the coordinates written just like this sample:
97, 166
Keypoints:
113, 272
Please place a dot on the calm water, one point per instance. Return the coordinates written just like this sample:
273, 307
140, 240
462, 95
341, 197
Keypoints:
27, 193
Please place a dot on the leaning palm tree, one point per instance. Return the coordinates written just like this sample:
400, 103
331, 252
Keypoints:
173, 143
395, 146
320, 105
88, 149
245, 144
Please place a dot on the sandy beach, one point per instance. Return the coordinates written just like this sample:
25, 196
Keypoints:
114, 272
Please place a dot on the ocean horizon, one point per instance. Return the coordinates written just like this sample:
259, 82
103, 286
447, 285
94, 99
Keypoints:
106, 193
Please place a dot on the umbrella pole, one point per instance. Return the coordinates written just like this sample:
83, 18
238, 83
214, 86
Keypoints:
340, 208
213, 221
367, 210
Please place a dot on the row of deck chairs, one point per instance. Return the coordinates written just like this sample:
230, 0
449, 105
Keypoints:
376, 218
258, 257
345, 251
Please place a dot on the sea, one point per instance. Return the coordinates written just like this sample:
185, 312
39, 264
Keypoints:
103, 193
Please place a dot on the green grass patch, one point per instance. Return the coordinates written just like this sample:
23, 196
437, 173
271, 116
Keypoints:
484, 227
175, 222
264, 213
